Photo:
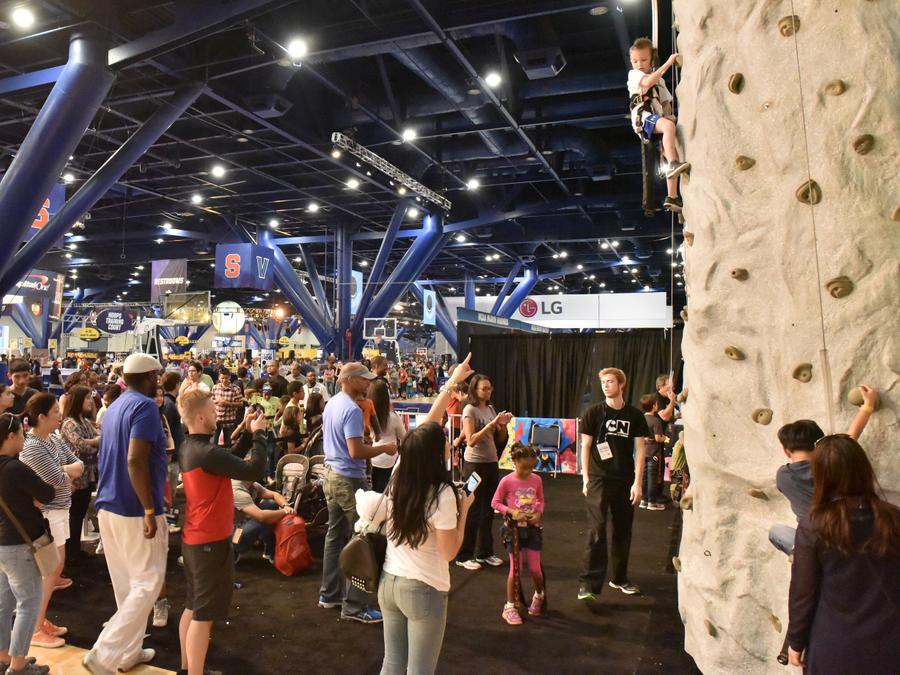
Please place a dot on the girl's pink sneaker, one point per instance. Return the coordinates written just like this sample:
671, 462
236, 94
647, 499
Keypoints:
537, 605
511, 615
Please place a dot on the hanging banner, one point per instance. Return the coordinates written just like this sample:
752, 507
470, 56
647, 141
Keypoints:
115, 320
356, 290
429, 307
38, 286
244, 266
167, 276
53, 203
88, 334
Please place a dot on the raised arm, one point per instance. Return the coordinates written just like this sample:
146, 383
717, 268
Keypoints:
460, 374
870, 403
651, 80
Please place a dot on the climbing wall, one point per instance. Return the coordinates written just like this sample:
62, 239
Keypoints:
753, 335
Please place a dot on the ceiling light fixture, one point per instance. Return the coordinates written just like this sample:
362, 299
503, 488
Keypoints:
273, 223
218, 171
668, 251
615, 243
600, 10
401, 190
69, 256
563, 254
626, 259
363, 263
69, 177
298, 260
488, 258
604, 245
336, 154
412, 212
196, 198
592, 277
556, 256
602, 284
313, 207
23, 17
408, 135
352, 183
166, 226
493, 79
461, 238
297, 49
579, 267
473, 184
159, 240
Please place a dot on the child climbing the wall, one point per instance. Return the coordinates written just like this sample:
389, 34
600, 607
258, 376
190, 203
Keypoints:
520, 499
651, 111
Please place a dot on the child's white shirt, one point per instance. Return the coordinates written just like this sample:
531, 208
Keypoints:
634, 87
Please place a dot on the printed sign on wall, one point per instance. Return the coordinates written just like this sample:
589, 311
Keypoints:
167, 276
115, 320
244, 266
429, 302
356, 291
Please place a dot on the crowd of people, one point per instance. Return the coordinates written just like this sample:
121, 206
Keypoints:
217, 428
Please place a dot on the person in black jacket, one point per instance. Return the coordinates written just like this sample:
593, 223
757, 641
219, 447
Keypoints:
19, 488
170, 382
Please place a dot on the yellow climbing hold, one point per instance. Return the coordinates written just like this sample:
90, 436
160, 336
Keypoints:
789, 25
734, 353
835, 88
762, 416
742, 162
839, 287
803, 372
740, 274
809, 193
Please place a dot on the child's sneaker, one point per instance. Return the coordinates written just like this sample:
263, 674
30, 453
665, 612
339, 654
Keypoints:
536, 608
643, 503
656, 506
677, 168
511, 615
673, 204
492, 560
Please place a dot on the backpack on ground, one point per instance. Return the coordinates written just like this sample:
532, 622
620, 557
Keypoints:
292, 552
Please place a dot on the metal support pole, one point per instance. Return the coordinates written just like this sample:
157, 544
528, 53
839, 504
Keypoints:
344, 255
518, 296
469, 287
442, 320
316, 282
507, 286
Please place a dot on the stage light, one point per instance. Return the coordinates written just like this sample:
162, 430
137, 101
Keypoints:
473, 184
313, 207
297, 49
218, 171
408, 135
493, 79
23, 17
196, 198
352, 183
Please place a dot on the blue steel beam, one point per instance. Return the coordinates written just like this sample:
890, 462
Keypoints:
507, 286
55, 134
318, 290
36, 78
469, 290
22, 319
519, 295
344, 255
67, 319
97, 186
444, 325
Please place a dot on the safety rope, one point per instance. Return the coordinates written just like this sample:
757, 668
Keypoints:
672, 224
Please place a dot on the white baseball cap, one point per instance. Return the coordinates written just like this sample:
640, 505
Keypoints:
140, 363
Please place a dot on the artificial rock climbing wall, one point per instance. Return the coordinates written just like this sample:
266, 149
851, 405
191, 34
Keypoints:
753, 334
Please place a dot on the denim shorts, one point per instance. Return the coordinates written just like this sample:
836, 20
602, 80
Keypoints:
649, 125
531, 538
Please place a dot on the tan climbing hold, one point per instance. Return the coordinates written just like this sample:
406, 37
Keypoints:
762, 416
734, 353
756, 493
854, 397
789, 25
682, 397
676, 563
803, 372
742, 162
710, 628
679, 60
840, 287
689, 237
776, 623
809, 193
835, 88
686, 503
739, 274
684, 315
864, 144
895, 216
736, 83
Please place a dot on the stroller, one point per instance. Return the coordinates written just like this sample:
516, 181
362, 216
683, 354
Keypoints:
313, 506
290, 478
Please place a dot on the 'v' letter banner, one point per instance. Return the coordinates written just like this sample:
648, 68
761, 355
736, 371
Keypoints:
244, 266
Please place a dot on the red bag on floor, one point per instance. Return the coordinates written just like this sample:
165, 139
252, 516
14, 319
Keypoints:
292, 552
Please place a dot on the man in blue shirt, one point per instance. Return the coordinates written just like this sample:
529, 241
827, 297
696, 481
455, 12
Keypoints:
345, 460
130, 488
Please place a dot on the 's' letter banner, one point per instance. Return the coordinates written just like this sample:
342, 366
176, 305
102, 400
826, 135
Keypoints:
244, 266
168, 276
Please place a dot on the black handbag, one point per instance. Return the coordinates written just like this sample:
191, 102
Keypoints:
362, 558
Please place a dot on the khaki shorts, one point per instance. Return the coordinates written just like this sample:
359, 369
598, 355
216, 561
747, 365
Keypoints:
209, 570
59, 525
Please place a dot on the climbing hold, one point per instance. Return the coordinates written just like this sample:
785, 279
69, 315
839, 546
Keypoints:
835, 88
734, 353
743, 163
686, 503
684, 314
896, 214
762, 416
740, 274
676, 563
708, 554
809, 193
679, 60
789, 25
757, 493
710, 628
736, 83
803, 372
682, 397
689, 237
840, 287
854, 397
776, 622
864, 144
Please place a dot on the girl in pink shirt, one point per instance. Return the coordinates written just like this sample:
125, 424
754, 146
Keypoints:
520, 498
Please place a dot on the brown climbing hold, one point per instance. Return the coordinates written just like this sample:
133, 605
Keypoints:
864, 144
743, 162
736, 83
840, 287
676, 563
762, 416
895, 216
679, 60
789, 25
682, 397
776, 623
689, 237
686, 503
734, 353
710, 628
854, 397
684, 315
835, 88
809, 193
803, 372
739, 274
757, 494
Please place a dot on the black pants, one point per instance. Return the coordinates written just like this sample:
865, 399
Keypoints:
380, 478
81, 500
607, 497
228, 428
478, 540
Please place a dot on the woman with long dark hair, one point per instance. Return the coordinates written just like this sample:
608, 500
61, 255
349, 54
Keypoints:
83, 438
845, 580
393, 432
425, 519
7, 399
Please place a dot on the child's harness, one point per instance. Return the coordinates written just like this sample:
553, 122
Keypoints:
642, 103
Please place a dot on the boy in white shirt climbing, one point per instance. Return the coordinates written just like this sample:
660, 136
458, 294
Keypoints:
651, 111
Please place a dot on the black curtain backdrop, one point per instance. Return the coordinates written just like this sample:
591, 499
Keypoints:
556, 375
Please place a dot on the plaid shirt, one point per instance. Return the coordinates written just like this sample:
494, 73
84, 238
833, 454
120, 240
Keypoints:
226, 414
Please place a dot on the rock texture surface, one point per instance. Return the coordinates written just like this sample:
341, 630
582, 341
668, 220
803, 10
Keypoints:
733, 584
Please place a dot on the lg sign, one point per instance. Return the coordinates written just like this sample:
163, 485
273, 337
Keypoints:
530, 308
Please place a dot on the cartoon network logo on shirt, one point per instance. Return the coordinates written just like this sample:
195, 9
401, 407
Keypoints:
618, 428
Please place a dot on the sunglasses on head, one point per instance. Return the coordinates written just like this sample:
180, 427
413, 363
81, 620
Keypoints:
831, 436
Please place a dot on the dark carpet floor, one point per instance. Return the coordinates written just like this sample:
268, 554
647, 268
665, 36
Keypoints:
276, 627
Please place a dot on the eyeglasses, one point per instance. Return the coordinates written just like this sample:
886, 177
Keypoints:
829, 436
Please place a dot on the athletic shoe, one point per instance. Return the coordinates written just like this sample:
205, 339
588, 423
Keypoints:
30, 668
174, 529
368, 615
673, 204
52, 629
626, 588
180, 561
324, 604
93, 666
511, 615
42, 639
469, 565
270, 557
536, 608
160, 613
656, 506
586, 594
643, 503
677, 168
64, 582
144, 656
493, 561
29, 661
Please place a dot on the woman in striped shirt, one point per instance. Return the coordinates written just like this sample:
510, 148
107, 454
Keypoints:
54, 463
82, 437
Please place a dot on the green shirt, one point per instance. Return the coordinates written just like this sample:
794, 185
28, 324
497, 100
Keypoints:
269, 407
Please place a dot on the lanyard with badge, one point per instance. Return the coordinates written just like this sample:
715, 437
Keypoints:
603, 446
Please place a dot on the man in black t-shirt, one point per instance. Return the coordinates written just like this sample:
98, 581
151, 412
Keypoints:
19, 374
613, 435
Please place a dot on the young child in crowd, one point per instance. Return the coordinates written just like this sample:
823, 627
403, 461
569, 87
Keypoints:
651, 111
520, 499
653, 459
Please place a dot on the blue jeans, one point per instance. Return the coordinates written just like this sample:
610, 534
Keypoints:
340, 493
782, 538
415, 615
651, 479
253, 531
20, 589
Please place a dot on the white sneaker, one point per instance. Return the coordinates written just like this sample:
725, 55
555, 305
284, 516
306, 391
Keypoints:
493, 561
160, 612
469, 565
144, 656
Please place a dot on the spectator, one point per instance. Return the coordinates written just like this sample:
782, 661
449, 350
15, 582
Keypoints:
845, 579
194, 379
313, 387
486, 434
19, 374
170, 381
393, 433
110, 394
312, 416
345, 459
55, 374
20, 580
131, 510
653, 459
268, 405
296, 375
289, 433
328, 376
56, 465
275, 379
380, 368
612, 459
458, 396
257, 511
228, 399
295, 391
7, 399
79, 377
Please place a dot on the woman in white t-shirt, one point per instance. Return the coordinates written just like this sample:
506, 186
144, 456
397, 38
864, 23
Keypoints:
392, 431
426, 518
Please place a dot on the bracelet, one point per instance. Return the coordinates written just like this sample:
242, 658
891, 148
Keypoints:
869, 409
149, 512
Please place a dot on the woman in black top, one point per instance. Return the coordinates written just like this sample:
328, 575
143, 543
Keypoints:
21, 580
845, 581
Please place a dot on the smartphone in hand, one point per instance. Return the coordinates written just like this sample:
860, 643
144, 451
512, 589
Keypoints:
472, 484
